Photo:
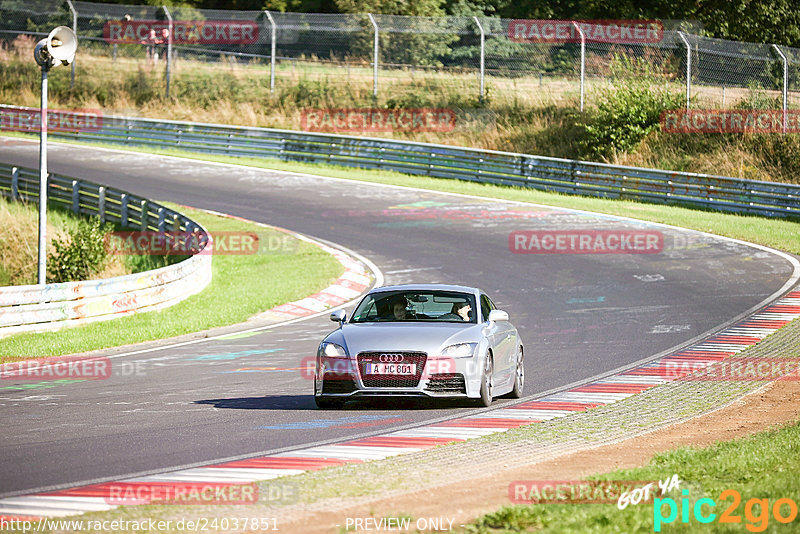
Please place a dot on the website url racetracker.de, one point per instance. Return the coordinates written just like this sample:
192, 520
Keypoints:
215, 524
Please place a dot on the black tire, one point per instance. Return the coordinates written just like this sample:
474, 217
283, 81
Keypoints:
519, 378
485, 399
329, 403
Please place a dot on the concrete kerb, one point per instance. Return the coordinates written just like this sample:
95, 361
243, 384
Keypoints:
357, 268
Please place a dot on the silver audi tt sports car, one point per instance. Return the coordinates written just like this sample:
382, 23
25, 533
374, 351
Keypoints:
425, 340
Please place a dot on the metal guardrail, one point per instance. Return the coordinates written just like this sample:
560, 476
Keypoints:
34, 308
442, 161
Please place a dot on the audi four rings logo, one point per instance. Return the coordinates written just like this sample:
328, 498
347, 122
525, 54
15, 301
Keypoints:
391, 358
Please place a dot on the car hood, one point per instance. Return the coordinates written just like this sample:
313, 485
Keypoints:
430, 338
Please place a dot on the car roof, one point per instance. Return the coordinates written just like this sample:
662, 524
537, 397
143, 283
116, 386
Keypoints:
427, 287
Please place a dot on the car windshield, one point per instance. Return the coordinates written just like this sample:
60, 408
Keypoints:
416, 306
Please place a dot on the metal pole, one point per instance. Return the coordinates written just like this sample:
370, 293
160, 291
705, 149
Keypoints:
483, 52
75, 29
274, 31
42, 272
374, 56
169, 45
785, 84
688, 68
583, 58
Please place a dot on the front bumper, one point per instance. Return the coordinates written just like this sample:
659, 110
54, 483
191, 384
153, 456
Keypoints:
438, 377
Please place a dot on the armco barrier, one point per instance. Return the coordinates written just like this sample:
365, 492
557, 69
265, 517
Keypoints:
442, 161
52, 306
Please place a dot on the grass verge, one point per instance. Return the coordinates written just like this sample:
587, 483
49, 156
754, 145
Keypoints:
19, 227
762, 467
242, 286
521, 114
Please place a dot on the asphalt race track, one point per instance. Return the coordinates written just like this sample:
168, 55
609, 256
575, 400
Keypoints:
580, 315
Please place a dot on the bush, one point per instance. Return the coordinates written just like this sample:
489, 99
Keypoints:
757, 98
81, 256
624, 117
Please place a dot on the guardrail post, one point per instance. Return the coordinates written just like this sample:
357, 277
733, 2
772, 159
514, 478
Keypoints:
583, 58
688, 68
273, 33
143, 217
170, 27
374, 56
76, 196
483, 55
785, 84
14, 183
101, 204
160, 219
123, 210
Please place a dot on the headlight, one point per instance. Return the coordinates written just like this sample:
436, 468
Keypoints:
461, 350
331, 350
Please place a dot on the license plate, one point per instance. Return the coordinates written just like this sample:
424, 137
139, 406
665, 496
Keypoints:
391, 368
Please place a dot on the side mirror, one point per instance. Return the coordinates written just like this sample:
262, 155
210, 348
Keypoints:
497, 315
339, 316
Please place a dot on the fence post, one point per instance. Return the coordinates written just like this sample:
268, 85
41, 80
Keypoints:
170, 27
76, 196
143, 215
583, 58
785, 84
14, 183
273, 31
75, 29
123, 210
374, 56
101, 204
483, 56
688, 68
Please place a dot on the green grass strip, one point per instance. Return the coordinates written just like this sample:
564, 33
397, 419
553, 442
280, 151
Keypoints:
762, 466
242, 286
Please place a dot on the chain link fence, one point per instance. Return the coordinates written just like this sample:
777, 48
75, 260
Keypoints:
476, 58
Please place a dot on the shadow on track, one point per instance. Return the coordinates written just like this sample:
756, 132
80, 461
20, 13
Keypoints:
306, 402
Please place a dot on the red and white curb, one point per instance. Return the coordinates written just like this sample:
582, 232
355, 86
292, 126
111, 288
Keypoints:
730, 341
355, 280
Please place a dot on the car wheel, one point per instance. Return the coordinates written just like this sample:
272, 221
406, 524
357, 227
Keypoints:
485, 399
519, 378
328, 403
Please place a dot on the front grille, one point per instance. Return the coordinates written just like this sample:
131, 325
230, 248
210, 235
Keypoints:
391, 381
337, 384
446, 383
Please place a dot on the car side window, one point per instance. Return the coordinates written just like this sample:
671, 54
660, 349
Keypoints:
486, 307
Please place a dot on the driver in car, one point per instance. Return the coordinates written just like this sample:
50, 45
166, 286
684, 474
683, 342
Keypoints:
399, 312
